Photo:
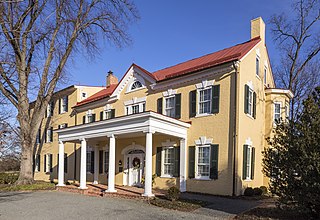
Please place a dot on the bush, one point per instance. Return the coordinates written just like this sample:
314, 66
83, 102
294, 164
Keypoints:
257, 191
8, 178
264, 190
248, 191
173, 193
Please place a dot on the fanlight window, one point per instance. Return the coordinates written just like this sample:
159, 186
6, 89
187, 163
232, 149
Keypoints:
136, 85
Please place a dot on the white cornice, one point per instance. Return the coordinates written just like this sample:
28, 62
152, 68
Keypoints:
286, 92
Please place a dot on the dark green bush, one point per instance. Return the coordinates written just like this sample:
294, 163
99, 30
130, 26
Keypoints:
257, 191
8, 178
264, 190
173, 193
248, 191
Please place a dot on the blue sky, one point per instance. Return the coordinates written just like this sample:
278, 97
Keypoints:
170, 32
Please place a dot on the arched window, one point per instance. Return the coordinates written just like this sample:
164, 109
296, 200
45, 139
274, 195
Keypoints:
136, 85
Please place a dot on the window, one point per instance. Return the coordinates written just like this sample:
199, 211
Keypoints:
136, 85
48, 163
50, 108
257, 66
49, 135
37, 163
106, 161
248, 162
287, 112
168, 161
277, 111
65, 125
135, 108
38, 138
250, 102
205, 101
170, 106
89, 161
203, 163
83, 95
265, 75
66, 163
63, 104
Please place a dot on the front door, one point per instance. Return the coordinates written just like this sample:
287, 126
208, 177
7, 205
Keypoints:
135, 167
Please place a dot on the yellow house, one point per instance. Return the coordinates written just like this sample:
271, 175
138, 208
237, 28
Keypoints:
200, 125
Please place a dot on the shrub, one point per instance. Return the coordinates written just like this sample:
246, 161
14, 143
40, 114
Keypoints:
248, 191
8, 178
257, 191
173, 193
264, 190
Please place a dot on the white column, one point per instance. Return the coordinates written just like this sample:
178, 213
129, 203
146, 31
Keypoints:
148, 166
112, 164
61, 165
183, 165
83, 165
96, 165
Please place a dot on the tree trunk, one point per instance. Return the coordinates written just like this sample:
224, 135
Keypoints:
26, 165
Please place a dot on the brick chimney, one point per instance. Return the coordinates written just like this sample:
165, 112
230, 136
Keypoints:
111, 79
258, 29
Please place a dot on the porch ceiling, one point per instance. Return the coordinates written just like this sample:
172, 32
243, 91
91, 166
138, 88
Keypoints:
128, 125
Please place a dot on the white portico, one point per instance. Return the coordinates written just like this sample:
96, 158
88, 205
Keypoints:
144, 124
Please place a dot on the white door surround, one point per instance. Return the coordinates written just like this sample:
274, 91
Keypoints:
134, 167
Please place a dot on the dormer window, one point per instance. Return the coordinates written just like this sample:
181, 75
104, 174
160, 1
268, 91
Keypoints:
136, 85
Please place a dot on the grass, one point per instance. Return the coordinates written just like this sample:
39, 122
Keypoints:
39, 185
180, 205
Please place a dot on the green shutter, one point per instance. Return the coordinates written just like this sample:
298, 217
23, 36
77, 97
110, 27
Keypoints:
50, 165
67, 103
176, 162
39, 160
113, 113
101, 115
92, 162
246, 99
83, 119
159, 105
215, 98
101, 161
51, 134
44, 163
192, 103
52, 108
93, 117
158, 161
214, 161
254, 104
252, 162
59, 105
192, 152
178, 106
65, 163
244, 164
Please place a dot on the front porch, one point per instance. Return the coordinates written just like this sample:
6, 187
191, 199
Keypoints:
129, 143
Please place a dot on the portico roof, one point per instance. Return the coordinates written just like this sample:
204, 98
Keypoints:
143, 122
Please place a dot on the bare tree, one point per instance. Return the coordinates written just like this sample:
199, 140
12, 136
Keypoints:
298, 38
37, 39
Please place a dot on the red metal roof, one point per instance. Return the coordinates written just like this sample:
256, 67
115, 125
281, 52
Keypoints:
223, 56
99, 95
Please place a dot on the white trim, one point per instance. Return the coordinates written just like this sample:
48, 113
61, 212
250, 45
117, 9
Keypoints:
163, 175
254, 48
132, 80
198, 101
286, 92
203, 140
168, 143
250, 84
248, 141
132, 146
135, 100
205, 84
169, 92
274, 110
258, 53
197, 162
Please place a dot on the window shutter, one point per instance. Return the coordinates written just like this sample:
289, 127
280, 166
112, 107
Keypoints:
113, 113
34, 163
92, 162
93, 117
38, 159
158, 161
100, 161
254, 104
52, 108
244, 165
51, 134
246, 99
46, 112
45, 135
252, 162
159, 105
50, 164
83, 119
215, 98
192, 103
101, 115
178, 106
67, 103
192, 151
66, 163
59, 106
44, 163
214, 161
176, 162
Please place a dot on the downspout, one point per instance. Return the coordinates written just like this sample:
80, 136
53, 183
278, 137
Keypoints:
75, 152
234, 180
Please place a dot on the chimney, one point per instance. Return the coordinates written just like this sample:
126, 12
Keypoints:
111, 79
258, 29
